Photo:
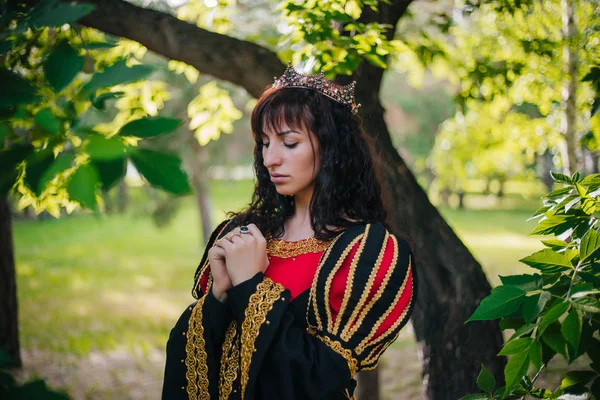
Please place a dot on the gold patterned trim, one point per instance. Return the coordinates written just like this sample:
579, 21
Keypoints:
349, 331
365, 342
338, 348
284, 249
350, 280
195, 355
259, 305
312, 298
230, 359
329, 281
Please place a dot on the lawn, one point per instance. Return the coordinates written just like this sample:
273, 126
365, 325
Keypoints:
99, 294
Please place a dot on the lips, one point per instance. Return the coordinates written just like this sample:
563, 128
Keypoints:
277, 178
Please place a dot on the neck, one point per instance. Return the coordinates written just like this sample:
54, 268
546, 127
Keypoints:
298, 225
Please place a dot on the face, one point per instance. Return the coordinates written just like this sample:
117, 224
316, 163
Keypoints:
288, 152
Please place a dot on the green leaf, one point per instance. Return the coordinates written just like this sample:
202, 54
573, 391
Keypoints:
52, 13
101, 148
548, 261
535, 354
110, 172
485, 380
514, 370
161, 170
116, 74
555, 243
99, 102
554, 339
516, 346
82, 186
46, 120
503, 301
589, 244
15, 90
63, 161
577, 377
558, 177
9, 160
553, 314
555, 224
525, 282
476, 396
571, 328
61, 66
375, 60
523, 330
149, 127
587, 304
533, 305
35, 166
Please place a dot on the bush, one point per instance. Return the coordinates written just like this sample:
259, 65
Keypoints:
555, 311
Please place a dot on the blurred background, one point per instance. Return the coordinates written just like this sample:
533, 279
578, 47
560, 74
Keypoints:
482, 100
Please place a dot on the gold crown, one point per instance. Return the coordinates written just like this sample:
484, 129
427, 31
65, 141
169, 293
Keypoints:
318, 82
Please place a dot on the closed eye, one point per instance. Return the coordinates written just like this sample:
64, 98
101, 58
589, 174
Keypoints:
289, 146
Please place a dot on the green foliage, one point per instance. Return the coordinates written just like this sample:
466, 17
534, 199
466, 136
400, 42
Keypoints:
505, 61
328, 35
553, 312
56, 86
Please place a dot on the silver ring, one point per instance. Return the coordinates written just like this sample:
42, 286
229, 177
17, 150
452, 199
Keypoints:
244, 229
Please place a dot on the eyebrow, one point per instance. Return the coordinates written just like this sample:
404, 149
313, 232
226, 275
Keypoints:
282, 132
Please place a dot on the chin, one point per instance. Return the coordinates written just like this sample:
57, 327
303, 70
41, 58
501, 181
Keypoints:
284, 191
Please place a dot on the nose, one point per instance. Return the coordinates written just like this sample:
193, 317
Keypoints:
271, 156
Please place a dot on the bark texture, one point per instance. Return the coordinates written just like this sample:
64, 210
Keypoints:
9, 327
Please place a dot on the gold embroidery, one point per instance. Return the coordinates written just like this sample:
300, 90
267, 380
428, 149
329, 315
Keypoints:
230, 359
312, 298
348, 331
365, 341
350, 280
330, 280
338, 348
195, 355
285, 249
259, 305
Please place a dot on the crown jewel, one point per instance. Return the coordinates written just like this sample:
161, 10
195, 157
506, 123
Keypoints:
318, 82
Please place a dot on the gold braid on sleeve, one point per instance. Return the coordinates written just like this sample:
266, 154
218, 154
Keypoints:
195, 355
259, 305
338, 348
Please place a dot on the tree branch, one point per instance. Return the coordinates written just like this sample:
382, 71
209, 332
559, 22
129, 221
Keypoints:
241, 62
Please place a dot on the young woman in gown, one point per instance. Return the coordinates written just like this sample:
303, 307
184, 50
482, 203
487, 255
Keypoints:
307, 285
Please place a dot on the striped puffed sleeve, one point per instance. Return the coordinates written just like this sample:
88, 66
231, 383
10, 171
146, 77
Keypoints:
361, 297
364, 294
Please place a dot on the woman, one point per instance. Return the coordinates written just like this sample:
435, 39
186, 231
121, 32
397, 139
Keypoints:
307, 286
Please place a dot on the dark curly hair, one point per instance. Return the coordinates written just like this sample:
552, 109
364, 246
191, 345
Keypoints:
347, 187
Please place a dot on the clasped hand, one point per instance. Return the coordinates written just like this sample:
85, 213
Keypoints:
236, 258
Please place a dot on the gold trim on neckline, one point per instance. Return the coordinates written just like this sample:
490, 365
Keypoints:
284, 249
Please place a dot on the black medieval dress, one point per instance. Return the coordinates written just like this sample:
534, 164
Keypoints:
321, 312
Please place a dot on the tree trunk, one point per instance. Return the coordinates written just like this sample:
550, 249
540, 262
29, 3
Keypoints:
9, 327
368, 385
200, 182
122, 198
451, 282
570, 89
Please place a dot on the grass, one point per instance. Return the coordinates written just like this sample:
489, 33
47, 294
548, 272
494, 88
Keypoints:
99, 284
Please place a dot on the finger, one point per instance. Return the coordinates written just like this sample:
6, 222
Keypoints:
255, 231
224, 244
